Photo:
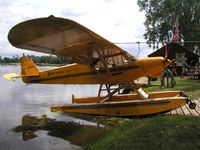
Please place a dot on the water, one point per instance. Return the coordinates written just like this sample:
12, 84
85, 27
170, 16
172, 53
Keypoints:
18, 100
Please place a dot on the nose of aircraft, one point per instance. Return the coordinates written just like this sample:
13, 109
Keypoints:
155, 65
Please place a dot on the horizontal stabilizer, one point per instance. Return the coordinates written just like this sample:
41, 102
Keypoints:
10, 76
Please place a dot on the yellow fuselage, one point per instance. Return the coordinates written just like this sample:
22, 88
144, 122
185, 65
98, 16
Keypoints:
83, 74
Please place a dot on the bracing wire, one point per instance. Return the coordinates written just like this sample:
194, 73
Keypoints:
143, 42
138, 49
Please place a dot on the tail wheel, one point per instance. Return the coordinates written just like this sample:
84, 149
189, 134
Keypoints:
192, 105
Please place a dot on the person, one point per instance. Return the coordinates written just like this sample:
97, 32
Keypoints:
172, 67
192, 63
184, 69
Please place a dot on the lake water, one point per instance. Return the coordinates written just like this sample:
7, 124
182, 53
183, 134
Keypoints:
18, 100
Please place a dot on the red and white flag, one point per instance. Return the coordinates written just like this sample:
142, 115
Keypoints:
176, 34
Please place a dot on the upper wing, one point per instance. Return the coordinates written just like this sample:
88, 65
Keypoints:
64, 37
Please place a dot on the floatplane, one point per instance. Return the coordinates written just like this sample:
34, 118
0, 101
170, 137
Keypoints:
95, 60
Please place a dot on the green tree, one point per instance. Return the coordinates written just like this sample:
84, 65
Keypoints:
1, 60
15, 59
161, 16
50, 59
38, 59
7, 60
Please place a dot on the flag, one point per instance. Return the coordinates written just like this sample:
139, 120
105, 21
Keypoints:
176, 34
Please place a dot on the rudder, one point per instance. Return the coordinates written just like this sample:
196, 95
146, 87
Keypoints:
28, 68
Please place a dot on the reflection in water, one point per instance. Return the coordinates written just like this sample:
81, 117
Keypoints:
17, 100
76, 133
28, 134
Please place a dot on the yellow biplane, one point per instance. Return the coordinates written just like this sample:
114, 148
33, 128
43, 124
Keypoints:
95, 60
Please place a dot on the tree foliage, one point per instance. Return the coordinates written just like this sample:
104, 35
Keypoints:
14, 59
50, 59
161, 16
38, 59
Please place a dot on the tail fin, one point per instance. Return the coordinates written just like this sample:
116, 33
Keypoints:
28, 68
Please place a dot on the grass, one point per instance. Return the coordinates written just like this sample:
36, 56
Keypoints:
190, 87
161, 132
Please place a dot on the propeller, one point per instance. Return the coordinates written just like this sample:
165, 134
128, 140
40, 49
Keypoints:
167, 61
166, 53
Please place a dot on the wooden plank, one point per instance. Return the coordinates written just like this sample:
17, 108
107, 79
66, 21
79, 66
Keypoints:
173, 112
193, 112
198, 104
197, 109
182, 110
179, 111
186, 111
168, 113
197, 112
176, 111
